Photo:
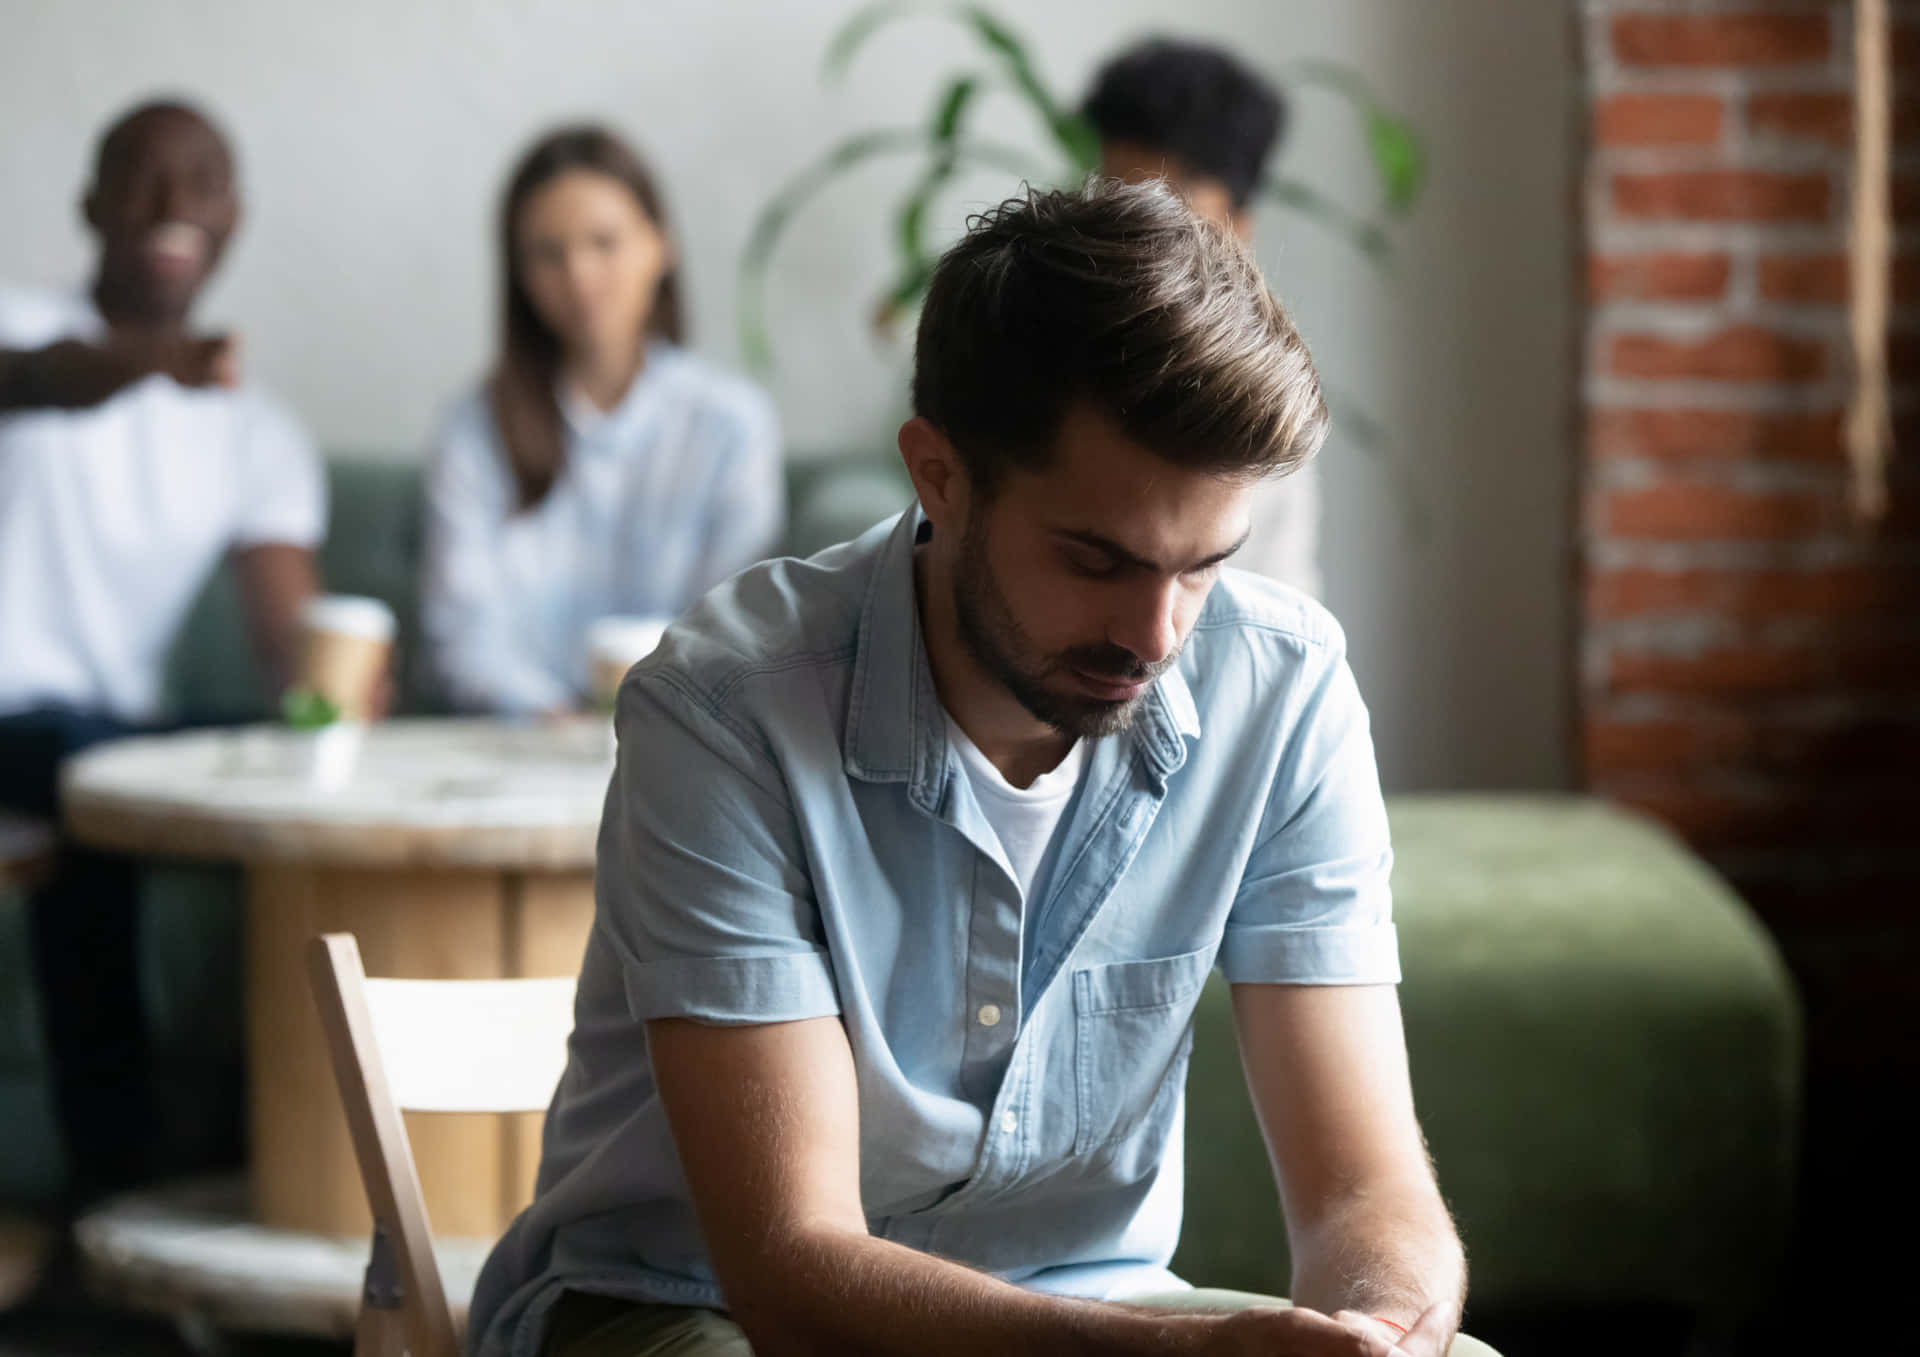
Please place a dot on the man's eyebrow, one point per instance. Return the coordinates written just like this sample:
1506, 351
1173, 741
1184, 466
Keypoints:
1125, 556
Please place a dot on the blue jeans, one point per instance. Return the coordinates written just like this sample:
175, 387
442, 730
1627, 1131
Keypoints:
83, 926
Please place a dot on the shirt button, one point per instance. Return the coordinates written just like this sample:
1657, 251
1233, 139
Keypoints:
989, 1015
1009, 1123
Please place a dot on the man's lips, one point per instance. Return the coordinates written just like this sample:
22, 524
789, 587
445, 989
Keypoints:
175, 249
1108, 689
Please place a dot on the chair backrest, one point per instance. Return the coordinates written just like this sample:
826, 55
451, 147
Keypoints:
425, 1046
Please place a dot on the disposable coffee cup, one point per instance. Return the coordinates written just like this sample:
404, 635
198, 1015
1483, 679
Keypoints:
615, 645
346, 643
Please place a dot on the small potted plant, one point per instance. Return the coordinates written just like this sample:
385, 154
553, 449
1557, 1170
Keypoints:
324, 746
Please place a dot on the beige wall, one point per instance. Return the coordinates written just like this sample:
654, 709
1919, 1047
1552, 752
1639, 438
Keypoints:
375, 134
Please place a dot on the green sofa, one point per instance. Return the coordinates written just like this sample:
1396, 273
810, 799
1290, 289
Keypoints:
1605, 1046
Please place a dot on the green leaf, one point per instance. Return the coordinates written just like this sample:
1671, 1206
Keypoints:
304, 709
910, 227
756, 256
845, 44
1368, 237
1399, 157
951, 107
1069, 130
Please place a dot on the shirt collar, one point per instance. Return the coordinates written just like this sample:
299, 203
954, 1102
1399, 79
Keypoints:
896, 728
585, 421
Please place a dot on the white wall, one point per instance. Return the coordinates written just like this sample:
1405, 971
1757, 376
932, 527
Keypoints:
374, 134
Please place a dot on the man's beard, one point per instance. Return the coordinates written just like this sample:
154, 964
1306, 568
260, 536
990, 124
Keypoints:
1001, 646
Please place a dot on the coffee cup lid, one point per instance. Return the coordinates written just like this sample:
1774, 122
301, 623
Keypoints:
624, 640
349, 614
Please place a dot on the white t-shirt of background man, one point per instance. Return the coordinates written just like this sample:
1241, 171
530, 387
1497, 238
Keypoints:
1024, 818
112, 518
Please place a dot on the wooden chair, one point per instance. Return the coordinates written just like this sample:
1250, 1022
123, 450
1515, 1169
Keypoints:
424, 1046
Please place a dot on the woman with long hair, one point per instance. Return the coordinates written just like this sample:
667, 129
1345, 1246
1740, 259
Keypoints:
600, 469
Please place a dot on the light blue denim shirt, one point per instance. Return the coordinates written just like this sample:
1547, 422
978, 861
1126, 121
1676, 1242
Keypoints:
661, 498
789, 834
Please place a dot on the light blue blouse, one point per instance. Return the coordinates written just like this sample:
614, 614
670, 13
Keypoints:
663, 497
790, 834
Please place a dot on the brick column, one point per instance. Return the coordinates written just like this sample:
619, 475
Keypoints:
1750, 657
1749, 663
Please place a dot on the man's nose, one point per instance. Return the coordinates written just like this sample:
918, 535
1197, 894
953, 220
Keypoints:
171, 197
1146, 626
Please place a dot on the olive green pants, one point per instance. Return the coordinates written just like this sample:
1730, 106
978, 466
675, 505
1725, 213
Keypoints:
597, 1326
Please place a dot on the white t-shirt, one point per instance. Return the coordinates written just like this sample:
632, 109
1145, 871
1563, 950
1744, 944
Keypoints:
111, 518
1024, 818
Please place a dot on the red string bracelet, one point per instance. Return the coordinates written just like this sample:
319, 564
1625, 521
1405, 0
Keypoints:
1391, 1325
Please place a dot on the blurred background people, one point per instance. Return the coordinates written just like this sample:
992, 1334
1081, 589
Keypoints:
132, 461
600, 469
1203, 121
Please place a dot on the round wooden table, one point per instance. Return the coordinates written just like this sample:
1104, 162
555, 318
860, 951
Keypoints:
457, 849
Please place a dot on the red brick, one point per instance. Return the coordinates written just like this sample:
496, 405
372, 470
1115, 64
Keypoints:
1722, 195
1905, 193
1728, 670
1906, 279
1715, 434
1739, 353
1906, 43
1864, 664
1698, 512
1765, 594
1822, 117
1771, 741
1718, 814
1903, 354
1658, 120
1803, 277
1670, 744
1658, 277
1720, 39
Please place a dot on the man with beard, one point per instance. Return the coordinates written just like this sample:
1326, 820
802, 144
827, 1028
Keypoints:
919, 853
131, 463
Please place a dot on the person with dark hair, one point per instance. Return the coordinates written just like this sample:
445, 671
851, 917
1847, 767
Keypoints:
1192, 115
601, 469
132, 461
1198, 118
919, 852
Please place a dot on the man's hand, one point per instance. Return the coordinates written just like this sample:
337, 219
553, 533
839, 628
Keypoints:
1431, 1334
1300, 1332
76, 375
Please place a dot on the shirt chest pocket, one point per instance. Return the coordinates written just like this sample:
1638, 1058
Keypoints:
1133, 1032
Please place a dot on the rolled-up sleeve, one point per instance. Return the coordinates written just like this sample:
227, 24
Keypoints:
1314, 905
703, 887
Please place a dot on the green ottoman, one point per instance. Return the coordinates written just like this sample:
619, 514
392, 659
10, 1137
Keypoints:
1606, 1055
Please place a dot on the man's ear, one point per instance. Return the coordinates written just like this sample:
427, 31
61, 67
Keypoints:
939, 477
90, 207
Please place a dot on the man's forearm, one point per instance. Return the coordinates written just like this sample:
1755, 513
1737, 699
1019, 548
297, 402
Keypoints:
831, 1290
17, 382
1390, 1255
276, 580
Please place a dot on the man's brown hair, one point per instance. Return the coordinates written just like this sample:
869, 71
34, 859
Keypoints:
1120, 296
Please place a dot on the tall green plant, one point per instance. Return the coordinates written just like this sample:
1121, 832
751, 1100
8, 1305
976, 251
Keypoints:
947, 144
